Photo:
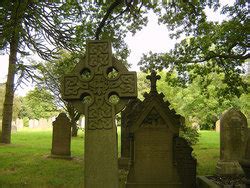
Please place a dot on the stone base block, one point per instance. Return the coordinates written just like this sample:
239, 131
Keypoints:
228, 168
204, 182
123, 163
245, 164
153, 185
68, 157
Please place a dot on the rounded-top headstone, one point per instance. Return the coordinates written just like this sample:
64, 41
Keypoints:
233, 127
233, 140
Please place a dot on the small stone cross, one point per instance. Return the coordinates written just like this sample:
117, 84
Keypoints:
153, 79
93, 77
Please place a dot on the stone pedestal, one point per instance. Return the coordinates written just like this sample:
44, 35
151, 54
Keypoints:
227, 168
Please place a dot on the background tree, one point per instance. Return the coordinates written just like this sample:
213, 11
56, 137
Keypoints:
16, 103
209, 47
26, 25
51, 74
38, 103
195, 104
33, 24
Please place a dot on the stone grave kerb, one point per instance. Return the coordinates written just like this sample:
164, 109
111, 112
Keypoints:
91, 78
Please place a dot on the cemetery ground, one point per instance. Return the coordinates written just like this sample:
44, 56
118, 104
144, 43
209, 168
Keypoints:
25, 162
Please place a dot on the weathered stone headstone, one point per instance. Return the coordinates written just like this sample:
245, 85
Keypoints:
217, 126
126, 117
233, 139
35, 123
19, 123
93, 77
31, 124
42, 123
61, 137
13, 127
158, 157
82, 122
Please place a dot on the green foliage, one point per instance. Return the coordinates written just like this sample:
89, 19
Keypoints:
38, 103
210, 48
200, 102
25, 121
16, 106
190, 134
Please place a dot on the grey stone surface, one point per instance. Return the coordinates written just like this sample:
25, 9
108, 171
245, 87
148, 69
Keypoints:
19, 123
61, 137
93, 80
155, 147
233, 140
42, 123
217, 126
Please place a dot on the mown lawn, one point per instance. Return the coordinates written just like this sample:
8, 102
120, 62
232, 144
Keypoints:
207, 152
25, 162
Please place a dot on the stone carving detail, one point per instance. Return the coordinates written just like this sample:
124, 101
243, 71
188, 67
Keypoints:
99, 86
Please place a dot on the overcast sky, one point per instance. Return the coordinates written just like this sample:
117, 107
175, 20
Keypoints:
153, 38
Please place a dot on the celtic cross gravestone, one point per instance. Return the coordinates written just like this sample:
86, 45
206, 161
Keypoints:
96, 79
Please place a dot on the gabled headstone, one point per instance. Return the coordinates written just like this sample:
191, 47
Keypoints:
233, 139
61, 137
94, 77
155, 146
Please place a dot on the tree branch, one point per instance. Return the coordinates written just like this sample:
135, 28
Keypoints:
106, 16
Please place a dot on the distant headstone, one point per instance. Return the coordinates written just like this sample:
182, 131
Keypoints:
36, 123
82, 122
217, 126
19, 123
42, 123
233, 140
61, 137
13, 127
100, 76
159, 158
31, 123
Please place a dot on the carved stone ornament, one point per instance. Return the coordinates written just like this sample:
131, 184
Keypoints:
91, 78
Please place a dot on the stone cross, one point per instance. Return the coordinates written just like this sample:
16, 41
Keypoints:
153, 79
92, 78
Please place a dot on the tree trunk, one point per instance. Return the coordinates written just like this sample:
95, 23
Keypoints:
9, 91
74, 129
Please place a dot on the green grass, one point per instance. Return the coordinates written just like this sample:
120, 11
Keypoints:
25, 162
207, 152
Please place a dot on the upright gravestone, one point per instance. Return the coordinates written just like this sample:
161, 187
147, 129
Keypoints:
19, 123
99, 76
31, 123
233, 139
159, 158
217, 126
43, 123
61, 137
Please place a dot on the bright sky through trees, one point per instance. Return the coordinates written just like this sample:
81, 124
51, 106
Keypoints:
153, 38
